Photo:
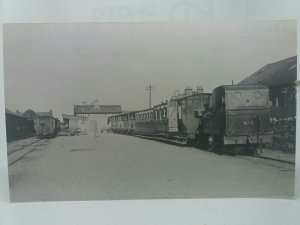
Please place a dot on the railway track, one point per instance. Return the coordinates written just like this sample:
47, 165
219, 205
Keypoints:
177, 142
20, 153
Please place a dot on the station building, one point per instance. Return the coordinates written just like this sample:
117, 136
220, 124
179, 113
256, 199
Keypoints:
281, 78
18, 126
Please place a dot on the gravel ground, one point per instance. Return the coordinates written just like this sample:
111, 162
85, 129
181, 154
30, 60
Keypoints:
112, 166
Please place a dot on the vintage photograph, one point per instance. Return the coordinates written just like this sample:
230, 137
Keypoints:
150, 110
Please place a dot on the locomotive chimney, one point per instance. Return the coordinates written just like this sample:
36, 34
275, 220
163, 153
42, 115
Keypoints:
199, 89
188, 91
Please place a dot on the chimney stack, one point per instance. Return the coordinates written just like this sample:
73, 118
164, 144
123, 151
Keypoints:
188, 91
200, 89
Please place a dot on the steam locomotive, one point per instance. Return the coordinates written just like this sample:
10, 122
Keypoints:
238, 118
232, 119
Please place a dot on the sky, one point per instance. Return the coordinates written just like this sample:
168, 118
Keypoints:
54, 66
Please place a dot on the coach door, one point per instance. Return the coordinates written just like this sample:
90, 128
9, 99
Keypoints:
172, 116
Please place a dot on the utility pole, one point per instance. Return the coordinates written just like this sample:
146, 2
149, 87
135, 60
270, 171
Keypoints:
150, 88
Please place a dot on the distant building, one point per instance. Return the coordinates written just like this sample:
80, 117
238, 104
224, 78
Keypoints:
97, 109
280, 77
96, 115
75, 122
30, 114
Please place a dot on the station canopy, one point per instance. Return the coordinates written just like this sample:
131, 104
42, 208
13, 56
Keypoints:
97, 109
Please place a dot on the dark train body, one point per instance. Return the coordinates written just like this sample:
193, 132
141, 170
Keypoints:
239, 117
18, 126
46, 126
233, 118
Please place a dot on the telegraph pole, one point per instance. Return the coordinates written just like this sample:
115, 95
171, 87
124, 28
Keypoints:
150, 88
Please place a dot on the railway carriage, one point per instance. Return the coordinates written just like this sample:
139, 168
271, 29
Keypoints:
173, 120
189, 109
143, 121
159, 122
131, 122
113, 123
123, 123
46, 127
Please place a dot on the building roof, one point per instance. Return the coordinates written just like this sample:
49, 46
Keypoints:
30, 114
42, 114
97, 109
178, 98
70, 117
242, 87
8, 111
279, 73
